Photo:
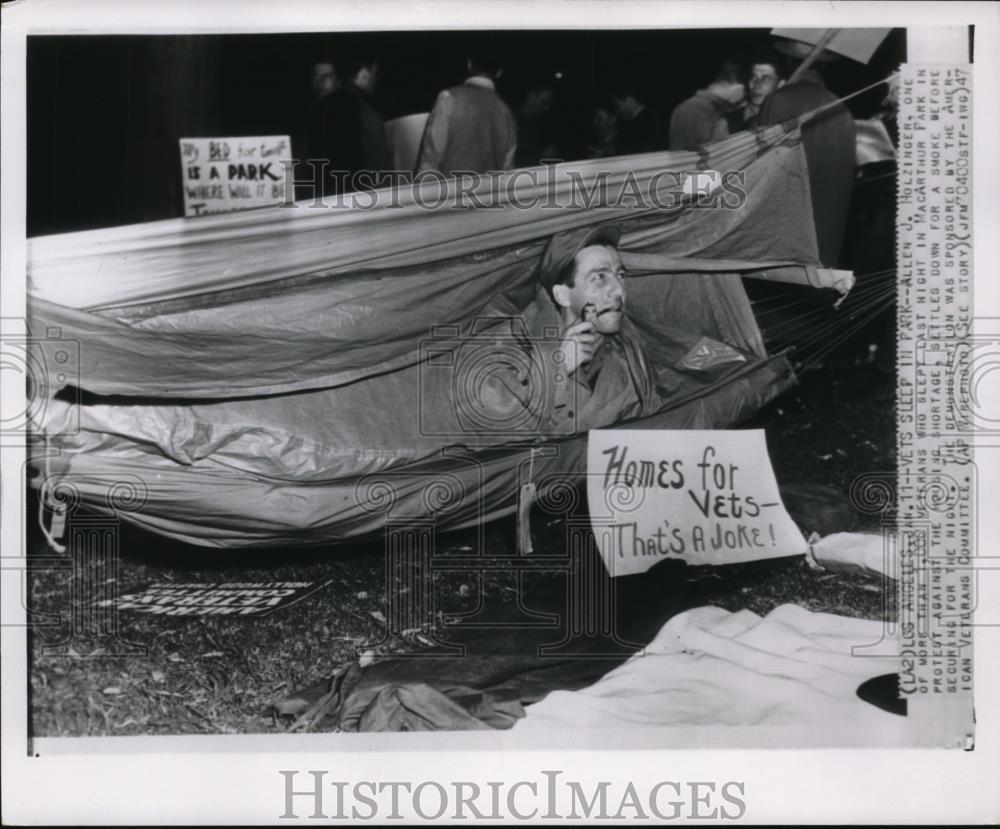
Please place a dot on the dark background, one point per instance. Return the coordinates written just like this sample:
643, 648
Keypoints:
104, 113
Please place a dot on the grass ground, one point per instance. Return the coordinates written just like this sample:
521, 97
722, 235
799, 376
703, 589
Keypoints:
220, 675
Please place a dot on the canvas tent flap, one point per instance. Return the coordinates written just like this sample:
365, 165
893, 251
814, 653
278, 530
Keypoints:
183, 258
409, 414
273, 379
230, 498
180, 308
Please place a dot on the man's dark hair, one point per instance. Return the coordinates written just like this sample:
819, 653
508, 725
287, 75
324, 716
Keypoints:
485, 59
349, 65
567, 276
539, 82
730, 71
607, 103
771, 58
628, 89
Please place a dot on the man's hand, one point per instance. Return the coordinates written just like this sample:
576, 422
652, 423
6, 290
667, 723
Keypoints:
578, 345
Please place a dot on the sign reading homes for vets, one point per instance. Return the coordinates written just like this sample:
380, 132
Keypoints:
214, 599
705, 497
224, 174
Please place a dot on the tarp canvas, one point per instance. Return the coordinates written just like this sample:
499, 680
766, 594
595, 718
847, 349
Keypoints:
277, 375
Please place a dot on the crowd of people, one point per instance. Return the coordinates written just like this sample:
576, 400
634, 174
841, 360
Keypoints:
471, 128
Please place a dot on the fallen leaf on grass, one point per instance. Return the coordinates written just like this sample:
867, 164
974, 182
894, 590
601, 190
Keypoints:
111, 691
290, 707
158, 676
378, 615
212, 654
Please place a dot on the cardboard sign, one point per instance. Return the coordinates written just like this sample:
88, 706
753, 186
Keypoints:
224, 174
214, 599
404, 136
706, 497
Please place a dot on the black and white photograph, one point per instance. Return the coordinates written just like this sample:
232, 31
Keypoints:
392, 398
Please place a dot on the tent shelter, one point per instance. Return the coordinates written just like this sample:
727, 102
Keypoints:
282, 375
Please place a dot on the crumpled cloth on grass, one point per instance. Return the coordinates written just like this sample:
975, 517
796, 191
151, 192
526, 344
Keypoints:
354, 705
419, 706
705, 667
708, 666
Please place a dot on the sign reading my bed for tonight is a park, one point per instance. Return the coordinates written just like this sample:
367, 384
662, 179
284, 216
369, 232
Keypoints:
705, 497
224, 174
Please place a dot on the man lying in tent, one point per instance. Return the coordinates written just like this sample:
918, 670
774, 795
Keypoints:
455, 371
596, 372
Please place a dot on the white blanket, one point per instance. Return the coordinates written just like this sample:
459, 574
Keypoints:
711, 667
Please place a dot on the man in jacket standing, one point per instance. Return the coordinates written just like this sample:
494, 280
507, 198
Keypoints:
470, 129
829, 144
347, 131
701, 119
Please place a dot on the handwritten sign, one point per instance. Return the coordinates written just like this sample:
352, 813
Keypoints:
404, 136
224, 174
706, 497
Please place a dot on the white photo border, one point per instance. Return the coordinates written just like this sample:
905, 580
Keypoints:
236, 779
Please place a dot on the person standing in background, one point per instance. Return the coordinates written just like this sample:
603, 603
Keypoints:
603, 132
325, 80
766, 75
701, 119
470, 128
829, 144
534, 140
638, 125
347, 131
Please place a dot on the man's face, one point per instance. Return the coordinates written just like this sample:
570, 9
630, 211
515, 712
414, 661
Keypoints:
625, 108
540, 102
367, 78
600, 282
763, 81
733, 93
604, 123
324, 79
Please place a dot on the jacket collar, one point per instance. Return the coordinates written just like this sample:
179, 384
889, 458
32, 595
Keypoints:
479, 80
